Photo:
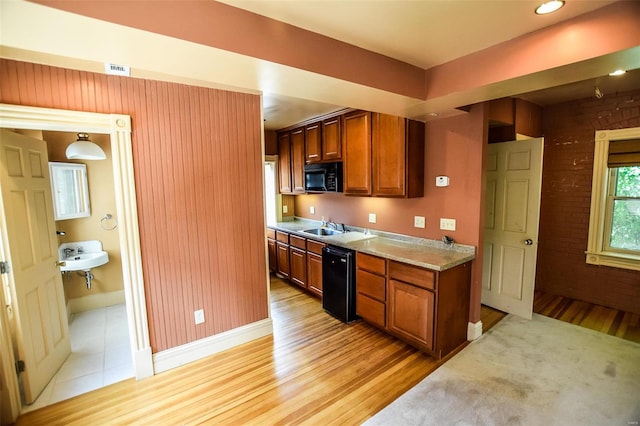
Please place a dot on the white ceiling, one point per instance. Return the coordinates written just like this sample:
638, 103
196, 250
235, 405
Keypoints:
425, 33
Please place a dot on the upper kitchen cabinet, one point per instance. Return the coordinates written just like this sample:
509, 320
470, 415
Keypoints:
384, 155
313, 142
332, 139
297, 160
356, 138
398, 156
284, 162
511, 119
323, 140
291, 159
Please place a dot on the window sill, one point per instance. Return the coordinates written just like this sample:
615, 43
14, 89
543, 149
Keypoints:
614, 259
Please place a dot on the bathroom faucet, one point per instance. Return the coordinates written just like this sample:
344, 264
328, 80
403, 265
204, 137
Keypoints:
80, 250
68, 252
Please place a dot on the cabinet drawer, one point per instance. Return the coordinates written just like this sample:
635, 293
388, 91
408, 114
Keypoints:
370, 263
412, 274
283, 237
370, 310
370, 284
299, 242
271, 233
315, 247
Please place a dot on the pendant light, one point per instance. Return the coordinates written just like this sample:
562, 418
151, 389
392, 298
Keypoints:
84, 149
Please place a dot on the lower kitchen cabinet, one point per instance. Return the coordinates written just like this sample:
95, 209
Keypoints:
298, 260
427, 309
282, 253
411, 310
314, 266
272, 250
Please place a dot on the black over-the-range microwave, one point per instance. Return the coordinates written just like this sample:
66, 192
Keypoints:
323, 177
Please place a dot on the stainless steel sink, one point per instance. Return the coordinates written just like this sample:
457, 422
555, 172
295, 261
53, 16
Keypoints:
322, 231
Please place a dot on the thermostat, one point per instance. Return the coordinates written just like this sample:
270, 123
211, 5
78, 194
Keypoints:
442, 180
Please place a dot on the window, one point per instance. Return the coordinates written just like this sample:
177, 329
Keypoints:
271, 196
614, 226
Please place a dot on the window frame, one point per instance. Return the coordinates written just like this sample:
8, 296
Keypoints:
598, 250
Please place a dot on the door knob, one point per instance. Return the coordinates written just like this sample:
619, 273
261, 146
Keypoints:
61, 263
528, 242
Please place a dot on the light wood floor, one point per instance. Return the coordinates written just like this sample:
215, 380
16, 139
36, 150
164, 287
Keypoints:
314, 370
606, 320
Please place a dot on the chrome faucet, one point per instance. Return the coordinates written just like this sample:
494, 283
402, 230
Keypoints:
68, 252
332, 225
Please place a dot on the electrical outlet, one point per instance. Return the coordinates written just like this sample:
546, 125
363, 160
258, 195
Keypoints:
285, 209
447, 224
312, 210
418, 221
199, 316
372, 218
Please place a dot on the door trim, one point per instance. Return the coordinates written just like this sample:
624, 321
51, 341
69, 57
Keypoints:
118, 127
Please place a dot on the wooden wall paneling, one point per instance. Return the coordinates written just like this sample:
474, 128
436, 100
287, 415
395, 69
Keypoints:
196, 227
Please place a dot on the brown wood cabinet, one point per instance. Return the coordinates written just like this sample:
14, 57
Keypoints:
298, 259
371, 289
282, 249
313, 142
397, 151
356, 138
284, 163
297, 160
428, 309
291, 159
332, 139
272, 250
510, 117
314, 266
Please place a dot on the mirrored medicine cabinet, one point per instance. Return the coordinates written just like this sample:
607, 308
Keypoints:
70, 190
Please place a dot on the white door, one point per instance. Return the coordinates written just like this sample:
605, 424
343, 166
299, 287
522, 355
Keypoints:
42, 331
514, 177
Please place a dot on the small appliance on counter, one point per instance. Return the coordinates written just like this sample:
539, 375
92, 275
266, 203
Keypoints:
339, 283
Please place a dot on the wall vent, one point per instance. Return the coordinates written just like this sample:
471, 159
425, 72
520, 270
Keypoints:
115, 69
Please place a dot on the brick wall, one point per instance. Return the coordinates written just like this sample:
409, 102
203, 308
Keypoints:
569, 132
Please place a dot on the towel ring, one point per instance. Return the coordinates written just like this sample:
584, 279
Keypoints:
108, 216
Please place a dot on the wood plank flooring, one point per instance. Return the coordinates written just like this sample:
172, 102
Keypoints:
606, 320
314, 370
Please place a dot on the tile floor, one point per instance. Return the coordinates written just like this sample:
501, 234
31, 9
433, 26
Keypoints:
100, 356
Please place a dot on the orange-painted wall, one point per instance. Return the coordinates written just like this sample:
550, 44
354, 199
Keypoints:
454, 147
198, 171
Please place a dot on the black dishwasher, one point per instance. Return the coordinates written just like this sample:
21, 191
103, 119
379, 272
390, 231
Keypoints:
339, 283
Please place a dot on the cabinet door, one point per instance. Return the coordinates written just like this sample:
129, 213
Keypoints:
283, 259
411, 313
332, 139
297, 160
314, 273
388, 150
298, 267
284, 162
313, 142
356, 137
273, 255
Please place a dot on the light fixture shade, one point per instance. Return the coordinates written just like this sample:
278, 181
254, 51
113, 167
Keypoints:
84, 149
549, 7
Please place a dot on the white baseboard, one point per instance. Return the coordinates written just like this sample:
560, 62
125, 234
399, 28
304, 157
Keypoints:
184, 354
143, 363
95, 301
474, 330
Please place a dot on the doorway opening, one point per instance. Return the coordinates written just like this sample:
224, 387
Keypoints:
118, 130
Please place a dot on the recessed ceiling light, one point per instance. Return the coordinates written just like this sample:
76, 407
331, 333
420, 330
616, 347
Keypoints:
548, 7
617, 72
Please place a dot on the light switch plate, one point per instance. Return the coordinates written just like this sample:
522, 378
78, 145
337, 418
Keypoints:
312, 210
418, 221
447, 224
372, 218
285, 209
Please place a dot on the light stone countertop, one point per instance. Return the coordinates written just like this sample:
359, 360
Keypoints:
423, 252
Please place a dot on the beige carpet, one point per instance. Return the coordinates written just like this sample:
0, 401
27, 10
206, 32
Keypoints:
538, 372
